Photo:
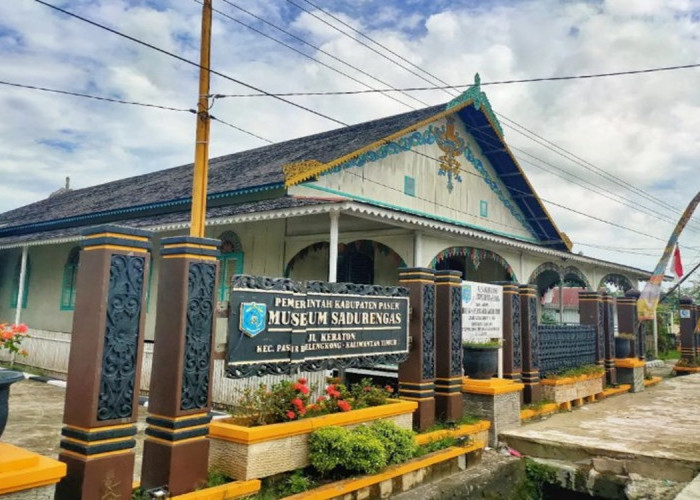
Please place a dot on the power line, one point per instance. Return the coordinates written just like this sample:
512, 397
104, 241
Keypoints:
98, 98
600, 171
185, 60
212, 117
301, 40
307, 109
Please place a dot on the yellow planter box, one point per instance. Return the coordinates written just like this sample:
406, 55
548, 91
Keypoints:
564, 390
255, 452
479, 432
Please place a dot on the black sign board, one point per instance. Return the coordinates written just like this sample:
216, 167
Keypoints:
278, 325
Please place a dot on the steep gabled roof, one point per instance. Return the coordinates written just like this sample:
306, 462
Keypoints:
278, 165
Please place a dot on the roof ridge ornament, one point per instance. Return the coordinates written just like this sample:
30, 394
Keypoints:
480, 102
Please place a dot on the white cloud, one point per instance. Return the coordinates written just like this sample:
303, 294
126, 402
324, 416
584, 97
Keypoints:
640, 128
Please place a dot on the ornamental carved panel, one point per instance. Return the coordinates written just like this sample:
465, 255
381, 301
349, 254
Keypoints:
121, 338
198, 332
517, 339
456, 331
428, 332
534, 333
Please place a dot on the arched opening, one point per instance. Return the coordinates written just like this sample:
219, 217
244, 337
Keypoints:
615, 284
475, 264
362, 261
558, 289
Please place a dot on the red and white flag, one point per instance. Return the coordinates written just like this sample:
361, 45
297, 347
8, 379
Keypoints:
677, 265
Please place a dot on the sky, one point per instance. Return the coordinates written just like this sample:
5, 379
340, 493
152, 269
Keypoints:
638, 131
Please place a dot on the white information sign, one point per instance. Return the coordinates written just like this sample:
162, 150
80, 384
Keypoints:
482, 311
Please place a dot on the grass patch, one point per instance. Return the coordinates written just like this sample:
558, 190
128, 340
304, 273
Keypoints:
446, 425
19, 367
538, 405
673, 354
579, 371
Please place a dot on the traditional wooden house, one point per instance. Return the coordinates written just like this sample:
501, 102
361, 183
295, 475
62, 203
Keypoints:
436, 187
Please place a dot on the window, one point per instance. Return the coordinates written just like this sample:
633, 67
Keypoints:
70, 273
230, 262
355, 267
484, 208
409, 185
15, 283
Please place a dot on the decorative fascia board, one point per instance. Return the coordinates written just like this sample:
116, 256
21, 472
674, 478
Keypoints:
371, 212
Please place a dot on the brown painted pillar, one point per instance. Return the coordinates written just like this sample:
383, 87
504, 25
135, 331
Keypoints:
417, 373
688, 339
448, 343
512, 342
609, 334
627, 319
590, 306
104, 368
176, 450
531, 344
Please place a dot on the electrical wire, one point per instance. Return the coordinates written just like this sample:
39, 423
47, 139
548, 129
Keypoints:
236, 127
98, 98
185, 60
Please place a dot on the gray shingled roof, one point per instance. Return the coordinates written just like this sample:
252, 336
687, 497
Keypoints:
239, 171
172, 218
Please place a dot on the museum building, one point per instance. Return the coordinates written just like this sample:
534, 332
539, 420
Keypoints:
437, 187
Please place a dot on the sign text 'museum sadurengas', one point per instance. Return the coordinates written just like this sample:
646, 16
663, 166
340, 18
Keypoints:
325, 321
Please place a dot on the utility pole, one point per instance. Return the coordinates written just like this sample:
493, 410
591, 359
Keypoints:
201, 152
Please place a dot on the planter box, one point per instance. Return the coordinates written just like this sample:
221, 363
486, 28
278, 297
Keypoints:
256, 452
564, 390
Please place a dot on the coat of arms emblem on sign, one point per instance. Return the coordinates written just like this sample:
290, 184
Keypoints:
253, 318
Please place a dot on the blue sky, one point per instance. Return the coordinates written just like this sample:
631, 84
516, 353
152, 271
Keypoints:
641, 129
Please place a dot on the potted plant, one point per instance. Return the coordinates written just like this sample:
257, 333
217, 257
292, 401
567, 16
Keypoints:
11, 337
623, 347
480, 359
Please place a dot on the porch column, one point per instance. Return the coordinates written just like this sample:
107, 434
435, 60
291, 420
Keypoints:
176, 448
417, 373
104, 368
561, 301
448, 343
22, 279
333, 248
418, 249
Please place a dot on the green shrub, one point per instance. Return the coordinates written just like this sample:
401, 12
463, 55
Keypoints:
297, 483
365, 454
399, 443
328, 447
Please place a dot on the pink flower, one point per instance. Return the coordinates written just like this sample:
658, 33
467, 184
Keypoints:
304, 389
320, 399
330, 389
291, 415
367, 388
334, 394
298, 403
389, 389
21, 328
7, 335
344, 405
302, 381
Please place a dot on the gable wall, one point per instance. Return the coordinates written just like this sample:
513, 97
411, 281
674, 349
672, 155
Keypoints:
379, 177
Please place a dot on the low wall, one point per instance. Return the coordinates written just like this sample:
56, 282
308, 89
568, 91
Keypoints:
566, 346
49, 352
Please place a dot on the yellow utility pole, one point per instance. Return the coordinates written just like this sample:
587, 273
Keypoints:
201, 152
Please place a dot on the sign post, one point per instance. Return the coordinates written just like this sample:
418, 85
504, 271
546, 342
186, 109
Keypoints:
482, 315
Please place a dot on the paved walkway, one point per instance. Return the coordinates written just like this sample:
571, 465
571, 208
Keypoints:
36, 418
655, 433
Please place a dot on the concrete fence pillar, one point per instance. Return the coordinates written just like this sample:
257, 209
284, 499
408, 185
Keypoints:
609, 334
104, 367
689, 344
176, 448
530, 344
448, 345
627, 323
512, 341
592, 313
417, 373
